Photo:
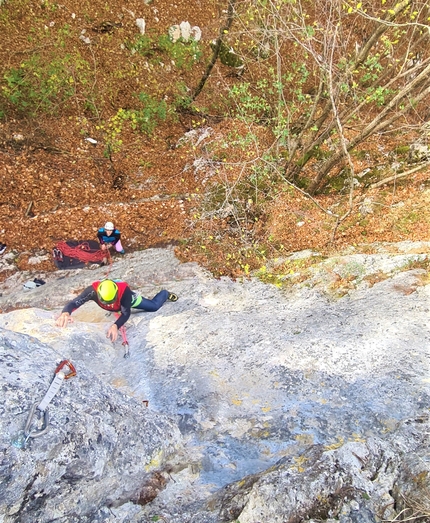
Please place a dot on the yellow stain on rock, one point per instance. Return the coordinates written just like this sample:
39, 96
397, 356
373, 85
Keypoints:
421, 478
298, 463
155, 462
266, 409
237, 401
337, 445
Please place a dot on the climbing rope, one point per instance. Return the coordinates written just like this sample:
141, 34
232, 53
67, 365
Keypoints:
124, 338
82, 252
109, 259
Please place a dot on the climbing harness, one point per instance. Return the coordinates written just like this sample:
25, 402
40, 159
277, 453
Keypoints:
124, 338
60, 376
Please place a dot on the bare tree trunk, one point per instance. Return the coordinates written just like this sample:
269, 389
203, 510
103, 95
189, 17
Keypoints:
317, 137
222, 32
390, 17
379, 123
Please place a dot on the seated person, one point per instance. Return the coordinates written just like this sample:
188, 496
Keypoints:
109, 236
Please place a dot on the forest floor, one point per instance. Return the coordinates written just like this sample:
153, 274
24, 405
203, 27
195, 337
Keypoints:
66, 193
56, 185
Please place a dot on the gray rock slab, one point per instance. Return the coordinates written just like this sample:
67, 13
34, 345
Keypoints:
253, 375
99, 451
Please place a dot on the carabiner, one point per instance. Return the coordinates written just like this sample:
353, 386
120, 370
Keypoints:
72, 370
36, 433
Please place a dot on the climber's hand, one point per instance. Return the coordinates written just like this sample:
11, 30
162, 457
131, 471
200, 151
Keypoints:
63, 319
112, 333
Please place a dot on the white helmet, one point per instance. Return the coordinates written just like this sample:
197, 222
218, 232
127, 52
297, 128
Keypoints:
109, 226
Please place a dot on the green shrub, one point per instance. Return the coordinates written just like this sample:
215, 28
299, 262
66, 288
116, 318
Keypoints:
143, 120
184, 54
152, 113
41, 86
158, 49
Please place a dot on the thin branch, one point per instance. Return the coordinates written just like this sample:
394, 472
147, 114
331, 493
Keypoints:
343, 143
397, 176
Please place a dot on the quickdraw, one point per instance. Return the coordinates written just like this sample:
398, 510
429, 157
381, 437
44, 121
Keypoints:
60, 376
124, 338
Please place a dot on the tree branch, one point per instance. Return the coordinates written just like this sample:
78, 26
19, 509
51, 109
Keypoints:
222, 32
397, 176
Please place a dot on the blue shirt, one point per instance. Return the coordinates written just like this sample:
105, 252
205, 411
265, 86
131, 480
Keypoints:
114, 237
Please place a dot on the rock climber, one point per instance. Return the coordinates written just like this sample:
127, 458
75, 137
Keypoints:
108, 236
114, 296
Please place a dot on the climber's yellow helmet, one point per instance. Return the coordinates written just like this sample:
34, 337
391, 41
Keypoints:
107, 291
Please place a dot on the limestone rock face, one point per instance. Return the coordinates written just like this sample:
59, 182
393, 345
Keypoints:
100, 451
359, 482
264, 404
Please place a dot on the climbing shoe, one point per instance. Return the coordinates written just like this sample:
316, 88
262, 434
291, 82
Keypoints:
122, 252
172, 297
